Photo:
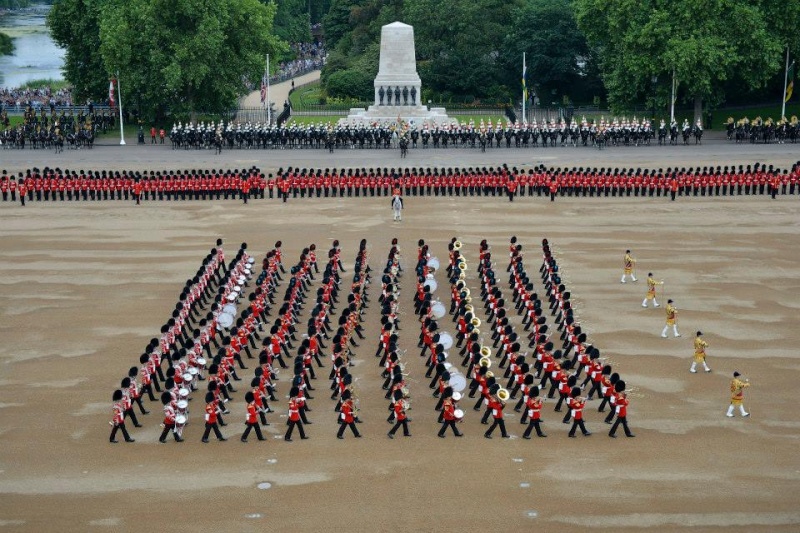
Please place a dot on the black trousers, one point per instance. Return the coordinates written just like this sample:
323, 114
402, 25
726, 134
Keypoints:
252, 426
292, 424
167, 429
120, 427
451, 424
578, 424
215, 428
497, 422
344, 425
399, 423
624, 421
533, 424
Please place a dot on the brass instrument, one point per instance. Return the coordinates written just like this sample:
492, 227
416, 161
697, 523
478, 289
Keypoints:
485, 351
485, 362
476, 322
457, 245
503, 395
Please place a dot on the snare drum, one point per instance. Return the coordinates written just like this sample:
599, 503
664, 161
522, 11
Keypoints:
188, 376
180, 420
459, 414
229, 309
201, 361
193, 371
183, 392
182, 405
232, 296
457, 396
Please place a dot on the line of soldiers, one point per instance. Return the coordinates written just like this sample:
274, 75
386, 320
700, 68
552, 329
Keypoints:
59, 185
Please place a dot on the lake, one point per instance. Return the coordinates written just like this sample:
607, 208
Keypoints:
36, 56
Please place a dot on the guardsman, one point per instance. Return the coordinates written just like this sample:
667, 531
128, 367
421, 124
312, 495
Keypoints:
621, 408
449, 414
576, 405
118, 418
737, 394
347, 416
400, 415
294, 416
534, 407
629, 263
700, 346
211, 418
672, 320
651, 290
251, 419
169, 419
496, 405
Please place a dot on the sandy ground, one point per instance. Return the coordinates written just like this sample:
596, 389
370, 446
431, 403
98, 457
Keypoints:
86, 286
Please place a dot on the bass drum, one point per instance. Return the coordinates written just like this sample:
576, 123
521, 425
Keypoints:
458, 382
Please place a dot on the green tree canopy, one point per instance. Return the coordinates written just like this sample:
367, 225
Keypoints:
190, 55
75, 26
705, 43
557, 56
292, 20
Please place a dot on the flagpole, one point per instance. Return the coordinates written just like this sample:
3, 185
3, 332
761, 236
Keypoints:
524, 91
119, 98
269, 108
672, 101
785, 84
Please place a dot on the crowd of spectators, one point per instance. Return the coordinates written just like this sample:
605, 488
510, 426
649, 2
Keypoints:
36, 97
308, 56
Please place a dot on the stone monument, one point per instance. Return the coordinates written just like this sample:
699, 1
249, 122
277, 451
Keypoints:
398, 88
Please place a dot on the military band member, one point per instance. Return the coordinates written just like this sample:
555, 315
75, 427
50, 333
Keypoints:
576, 405
737, 394
251, 419
622, 415
347, 416
118, 418
629, 264
496, 406
672, 320
169, 419
294, 416
449, 415
400, 415
211, 419
651, 290
534, 407
700, 346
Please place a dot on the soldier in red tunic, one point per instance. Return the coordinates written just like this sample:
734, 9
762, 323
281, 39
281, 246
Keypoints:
118, 418
576, 405
621, 410
400, 415
534, 406
169, 419
251, 421
294, 416
347, 416
211, 418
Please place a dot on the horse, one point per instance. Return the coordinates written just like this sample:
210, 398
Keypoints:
697, 131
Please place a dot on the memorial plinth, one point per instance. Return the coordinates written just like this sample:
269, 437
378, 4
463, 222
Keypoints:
398, 88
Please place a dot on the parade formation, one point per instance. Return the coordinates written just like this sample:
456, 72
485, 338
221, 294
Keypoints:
54, 185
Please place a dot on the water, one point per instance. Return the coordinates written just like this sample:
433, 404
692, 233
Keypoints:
36, 56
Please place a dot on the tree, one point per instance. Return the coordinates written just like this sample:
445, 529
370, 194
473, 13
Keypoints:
459, 43
557, 56
292, 21
189, 55
703, 43
75, 26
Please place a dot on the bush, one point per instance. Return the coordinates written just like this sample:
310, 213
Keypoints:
6, 45
350, 83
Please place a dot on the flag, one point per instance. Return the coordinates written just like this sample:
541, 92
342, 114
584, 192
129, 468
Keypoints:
111, 100
264, 87
790, 83
524, 86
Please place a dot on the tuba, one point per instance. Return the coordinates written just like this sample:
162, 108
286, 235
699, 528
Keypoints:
457, 245
476, 322
485, 351
485, 362
503, 395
